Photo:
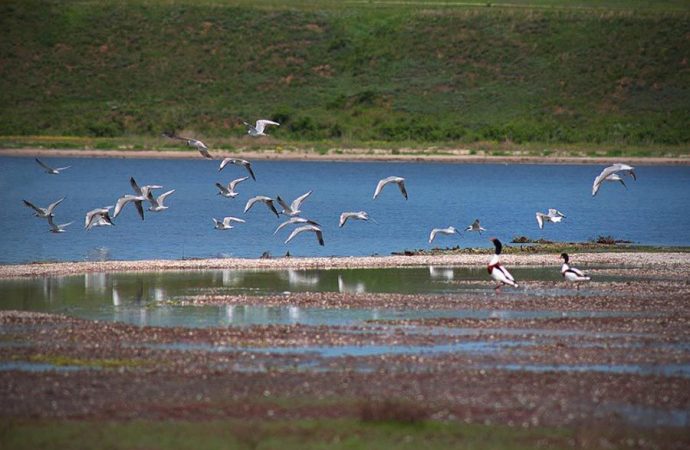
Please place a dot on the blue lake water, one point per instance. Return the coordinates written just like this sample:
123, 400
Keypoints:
653, 210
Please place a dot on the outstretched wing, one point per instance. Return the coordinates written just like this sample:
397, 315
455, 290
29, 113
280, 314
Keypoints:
163, 196
298, 201
401, 185
233, 183
32, 206
248, 166
52, 206
44, 165
284, 205
261, 124
135, 186
540, 220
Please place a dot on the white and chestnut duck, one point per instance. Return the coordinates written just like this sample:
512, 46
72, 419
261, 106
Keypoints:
497, 271
571, 273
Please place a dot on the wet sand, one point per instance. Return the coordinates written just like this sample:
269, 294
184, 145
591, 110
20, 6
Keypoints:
617, 354
449, 156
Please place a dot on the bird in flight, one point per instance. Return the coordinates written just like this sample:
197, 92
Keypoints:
611, 174
229, 190
312, 228
553, 215
238, 162
51, 170
400, 181
261, 198
435, 231
258, 129
293, 208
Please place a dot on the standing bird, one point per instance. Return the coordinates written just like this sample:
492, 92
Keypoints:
225, 223
203, 149
400, 181
261, 198
554, 216
435, 231
51, 170
496, 270
312, 228
475, 227
238, 162
293, 208
359, 215
258, 129
292, 220
229, 191
571, 273
157, 202
43, 213
610, 174
98, 217
54, 228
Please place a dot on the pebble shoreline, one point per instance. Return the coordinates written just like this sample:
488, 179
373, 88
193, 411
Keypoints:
634, 259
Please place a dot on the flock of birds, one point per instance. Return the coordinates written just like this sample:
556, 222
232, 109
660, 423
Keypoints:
99, 217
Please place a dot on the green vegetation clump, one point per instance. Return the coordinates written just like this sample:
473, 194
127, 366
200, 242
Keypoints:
542, 71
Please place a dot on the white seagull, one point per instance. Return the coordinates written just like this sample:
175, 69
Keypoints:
261, 198
203, 149
225, 223
293, 208
258, 129
359, 215
229, 191
400, 181
571, 273
54, 228
292, 220
157, 202
312, 228
142, 191
125, 199
98, 217
610, 174
475, 227
51, 170
496, 270
238, 162
43, 213
435, 231
554, 216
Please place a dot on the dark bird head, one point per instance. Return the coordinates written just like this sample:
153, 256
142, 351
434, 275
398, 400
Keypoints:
498, 245
565, 257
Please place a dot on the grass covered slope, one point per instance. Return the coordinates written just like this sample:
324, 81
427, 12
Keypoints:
366, 72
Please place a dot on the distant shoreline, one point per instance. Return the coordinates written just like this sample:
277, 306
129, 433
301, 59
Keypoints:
347, 156
658, 260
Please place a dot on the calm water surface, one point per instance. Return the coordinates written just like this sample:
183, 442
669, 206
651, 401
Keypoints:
654, 210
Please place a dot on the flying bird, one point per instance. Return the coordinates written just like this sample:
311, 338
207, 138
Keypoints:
98, 217
397, 180
258, 129
554, 216
142, 191
435, 231
225, 223
610, 174
293, 220
496, 270
475, 227
54, 228
302, 229
203, 149
358, 215
293, 208
157, 202
571, 273
229, 191
262, 198
125, 199
43, 213
238, 162
51, 170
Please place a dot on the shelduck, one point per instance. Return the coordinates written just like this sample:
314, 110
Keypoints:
571, 273
497, 271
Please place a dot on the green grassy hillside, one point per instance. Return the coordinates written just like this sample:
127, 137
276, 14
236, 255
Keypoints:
424, 72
